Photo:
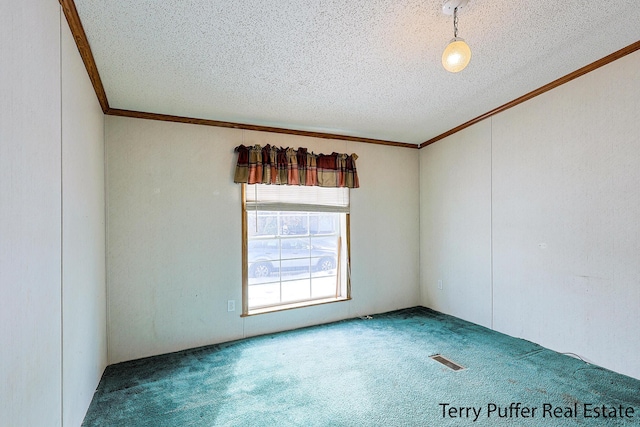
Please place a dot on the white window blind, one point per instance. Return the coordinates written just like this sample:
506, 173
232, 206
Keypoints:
297, 198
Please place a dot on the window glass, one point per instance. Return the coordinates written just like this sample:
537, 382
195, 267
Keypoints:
296, 257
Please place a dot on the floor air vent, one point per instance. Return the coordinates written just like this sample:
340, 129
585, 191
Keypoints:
446, 362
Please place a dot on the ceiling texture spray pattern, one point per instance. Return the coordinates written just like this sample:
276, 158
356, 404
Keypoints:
365, 68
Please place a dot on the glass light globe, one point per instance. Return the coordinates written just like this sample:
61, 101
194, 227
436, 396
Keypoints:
456, 55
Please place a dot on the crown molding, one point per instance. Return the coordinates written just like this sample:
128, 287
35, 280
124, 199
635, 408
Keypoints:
71, 13
77, 30
554, 84
206, 122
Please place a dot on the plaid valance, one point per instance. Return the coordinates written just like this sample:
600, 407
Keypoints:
288, 166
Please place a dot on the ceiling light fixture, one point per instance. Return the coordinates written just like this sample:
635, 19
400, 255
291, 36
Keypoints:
457, 54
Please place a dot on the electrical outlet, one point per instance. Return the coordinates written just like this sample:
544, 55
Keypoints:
231, 305
439, 284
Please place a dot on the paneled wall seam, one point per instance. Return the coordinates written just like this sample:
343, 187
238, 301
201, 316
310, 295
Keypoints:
106, 235
420, 301
61, 224
491, 214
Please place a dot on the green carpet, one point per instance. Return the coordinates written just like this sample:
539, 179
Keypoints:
366, 372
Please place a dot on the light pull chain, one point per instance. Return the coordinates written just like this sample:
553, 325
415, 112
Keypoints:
455, 22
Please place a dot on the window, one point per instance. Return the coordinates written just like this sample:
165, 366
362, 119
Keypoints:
295, 246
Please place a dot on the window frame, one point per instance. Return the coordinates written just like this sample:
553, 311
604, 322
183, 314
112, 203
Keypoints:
286, 306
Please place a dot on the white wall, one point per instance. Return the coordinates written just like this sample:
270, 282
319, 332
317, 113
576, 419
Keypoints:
84, 345
30, 214
564, 202
52, 304
530, 220
455, 224
174, 236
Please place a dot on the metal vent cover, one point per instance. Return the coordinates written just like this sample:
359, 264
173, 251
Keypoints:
446, 362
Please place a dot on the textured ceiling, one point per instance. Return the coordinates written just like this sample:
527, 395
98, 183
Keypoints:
365, 68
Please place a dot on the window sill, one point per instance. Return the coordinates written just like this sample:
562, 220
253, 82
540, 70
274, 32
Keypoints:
283, 307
